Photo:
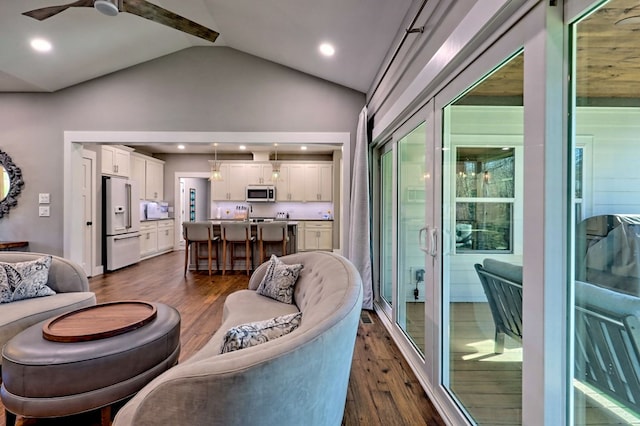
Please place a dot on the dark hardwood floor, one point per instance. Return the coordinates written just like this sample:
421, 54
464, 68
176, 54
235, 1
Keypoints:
382, 389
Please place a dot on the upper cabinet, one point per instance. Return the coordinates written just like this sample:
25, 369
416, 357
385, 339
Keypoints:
306, 182
138, 172
149, 173
115, 160
155, 180
258, 173
290, 186
318, 182
298, 182
233, 183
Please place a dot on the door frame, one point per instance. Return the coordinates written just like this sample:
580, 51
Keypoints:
72, 153
180, 198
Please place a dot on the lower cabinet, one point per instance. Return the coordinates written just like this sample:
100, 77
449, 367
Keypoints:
156, 237
315, 235
148, 239
165, 235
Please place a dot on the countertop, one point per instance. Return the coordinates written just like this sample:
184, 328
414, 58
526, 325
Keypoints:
219, 221
289, 221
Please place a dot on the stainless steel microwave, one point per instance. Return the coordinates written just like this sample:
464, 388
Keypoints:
261, 194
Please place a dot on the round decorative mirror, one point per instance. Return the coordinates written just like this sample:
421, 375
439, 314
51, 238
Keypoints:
11, 183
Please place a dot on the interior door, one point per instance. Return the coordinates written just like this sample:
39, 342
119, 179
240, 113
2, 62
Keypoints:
88, 208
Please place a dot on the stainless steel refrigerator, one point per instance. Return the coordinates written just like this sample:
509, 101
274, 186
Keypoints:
120, 222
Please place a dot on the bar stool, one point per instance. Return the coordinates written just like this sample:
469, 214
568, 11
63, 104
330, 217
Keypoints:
199, 233
235, 233
270, 233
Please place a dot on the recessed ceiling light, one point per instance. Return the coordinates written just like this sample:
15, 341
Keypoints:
303, 148
180, 146
242, 147
41, 45
327, 49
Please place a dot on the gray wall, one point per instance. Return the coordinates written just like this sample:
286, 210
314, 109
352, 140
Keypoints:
203, 198
197, 89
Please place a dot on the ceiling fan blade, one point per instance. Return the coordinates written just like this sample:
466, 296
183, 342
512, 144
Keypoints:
48, 12
163, 16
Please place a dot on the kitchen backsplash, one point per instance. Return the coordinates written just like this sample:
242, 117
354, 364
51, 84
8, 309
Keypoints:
296, 211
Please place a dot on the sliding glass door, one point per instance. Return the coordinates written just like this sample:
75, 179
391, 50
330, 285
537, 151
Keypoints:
410, 314
605, 197
387, 203
490, 217
482, 185
405, 203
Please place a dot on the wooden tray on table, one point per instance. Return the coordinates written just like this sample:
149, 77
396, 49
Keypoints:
99, 321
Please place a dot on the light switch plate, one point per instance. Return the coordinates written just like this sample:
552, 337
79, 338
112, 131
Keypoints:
44, 198
43, 211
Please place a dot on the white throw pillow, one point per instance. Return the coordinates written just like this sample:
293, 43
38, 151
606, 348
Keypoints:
279, 280
24, 280
253, 333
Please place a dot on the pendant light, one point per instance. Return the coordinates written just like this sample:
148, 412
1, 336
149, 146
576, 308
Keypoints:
216, 174
275, 167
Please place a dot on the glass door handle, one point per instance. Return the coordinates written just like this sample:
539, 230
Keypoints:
422, 240
433, 242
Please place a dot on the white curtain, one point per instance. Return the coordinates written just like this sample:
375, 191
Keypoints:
359, 244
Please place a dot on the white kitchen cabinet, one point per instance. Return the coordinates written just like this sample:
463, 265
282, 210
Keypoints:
298, 182
316, 235
300, 236
149, 173
318, 182
258, 173
290, 186
154, 188
138, 172
233, 184
148, 239
156, 237
115, 160
165, 235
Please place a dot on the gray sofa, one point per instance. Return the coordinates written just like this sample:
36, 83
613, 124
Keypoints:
66, 278
297, 379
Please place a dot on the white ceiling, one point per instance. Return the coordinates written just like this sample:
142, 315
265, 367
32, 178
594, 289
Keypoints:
88, 44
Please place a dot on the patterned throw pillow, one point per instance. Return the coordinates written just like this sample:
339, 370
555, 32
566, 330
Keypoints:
24, 280
253, 333
279, 280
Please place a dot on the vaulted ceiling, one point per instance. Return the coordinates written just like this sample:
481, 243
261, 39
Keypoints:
88, 44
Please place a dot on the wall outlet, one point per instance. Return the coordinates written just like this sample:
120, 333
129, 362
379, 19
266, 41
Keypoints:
43, 211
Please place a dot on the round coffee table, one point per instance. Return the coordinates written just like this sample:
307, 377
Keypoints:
76, 362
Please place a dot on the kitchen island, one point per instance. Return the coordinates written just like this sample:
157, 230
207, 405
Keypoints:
292, 245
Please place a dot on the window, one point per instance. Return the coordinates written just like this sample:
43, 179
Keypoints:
484, 199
